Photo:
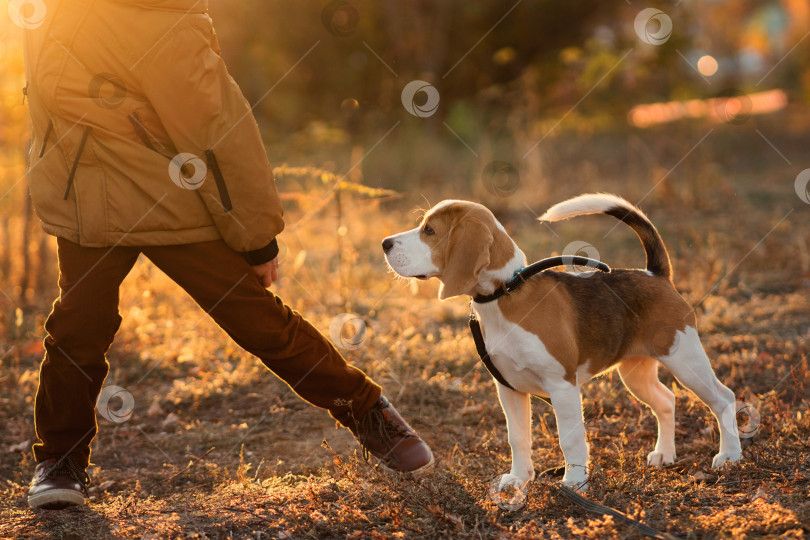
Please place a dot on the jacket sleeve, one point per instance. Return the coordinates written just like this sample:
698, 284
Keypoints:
205, 114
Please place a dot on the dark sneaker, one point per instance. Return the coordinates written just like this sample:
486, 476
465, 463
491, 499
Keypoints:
58, 483
385, 435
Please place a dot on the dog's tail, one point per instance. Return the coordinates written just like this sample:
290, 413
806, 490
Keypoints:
612, 205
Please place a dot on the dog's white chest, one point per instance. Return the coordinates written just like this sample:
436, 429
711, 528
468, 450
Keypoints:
520, 356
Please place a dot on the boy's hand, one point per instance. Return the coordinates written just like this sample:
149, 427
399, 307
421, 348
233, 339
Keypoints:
267, 272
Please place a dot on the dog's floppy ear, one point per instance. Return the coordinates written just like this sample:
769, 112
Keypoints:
467, 254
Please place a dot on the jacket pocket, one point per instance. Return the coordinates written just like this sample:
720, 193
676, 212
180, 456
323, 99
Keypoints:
211, 162
148, 140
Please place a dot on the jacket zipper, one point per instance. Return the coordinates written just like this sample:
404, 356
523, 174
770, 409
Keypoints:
48, 132
212, 163
79, 151
144, 135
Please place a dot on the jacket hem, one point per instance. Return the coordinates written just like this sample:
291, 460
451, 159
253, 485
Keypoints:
139, 238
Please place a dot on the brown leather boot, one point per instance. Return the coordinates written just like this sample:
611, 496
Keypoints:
58, 484
385, 435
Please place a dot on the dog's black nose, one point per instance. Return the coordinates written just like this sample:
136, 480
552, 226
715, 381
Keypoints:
387, 245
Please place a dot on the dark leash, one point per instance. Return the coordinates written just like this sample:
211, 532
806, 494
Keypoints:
509, 287
602, 510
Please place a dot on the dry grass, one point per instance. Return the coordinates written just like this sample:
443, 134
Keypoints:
280, 469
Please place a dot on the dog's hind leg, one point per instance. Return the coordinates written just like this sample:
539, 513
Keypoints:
640, 376
517, 408
688, 362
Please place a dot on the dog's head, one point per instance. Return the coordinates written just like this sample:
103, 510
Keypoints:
458, 242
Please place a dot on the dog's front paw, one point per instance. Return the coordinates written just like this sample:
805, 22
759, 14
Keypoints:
723, 457
508, 480
658, 459
576, 477
509, 492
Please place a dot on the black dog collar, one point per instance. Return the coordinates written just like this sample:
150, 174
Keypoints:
509, 286
523, 274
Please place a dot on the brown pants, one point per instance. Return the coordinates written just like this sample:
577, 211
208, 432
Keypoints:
85, 319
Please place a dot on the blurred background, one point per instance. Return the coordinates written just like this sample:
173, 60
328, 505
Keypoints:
538, 100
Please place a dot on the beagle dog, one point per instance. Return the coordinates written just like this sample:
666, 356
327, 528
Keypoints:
560, 329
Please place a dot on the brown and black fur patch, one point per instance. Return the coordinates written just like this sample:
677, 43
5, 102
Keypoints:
600, 319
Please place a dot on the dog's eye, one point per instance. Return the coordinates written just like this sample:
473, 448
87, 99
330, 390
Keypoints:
428, 231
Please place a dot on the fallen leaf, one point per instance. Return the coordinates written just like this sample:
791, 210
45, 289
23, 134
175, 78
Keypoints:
438, 513
700, 476
19, 447
471, 409
170, 420
154, 408
760, 494
434, 510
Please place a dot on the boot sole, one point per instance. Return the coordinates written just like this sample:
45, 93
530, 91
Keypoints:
56, 499
427, 466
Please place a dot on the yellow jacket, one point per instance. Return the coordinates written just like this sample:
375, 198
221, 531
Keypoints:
140, 135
